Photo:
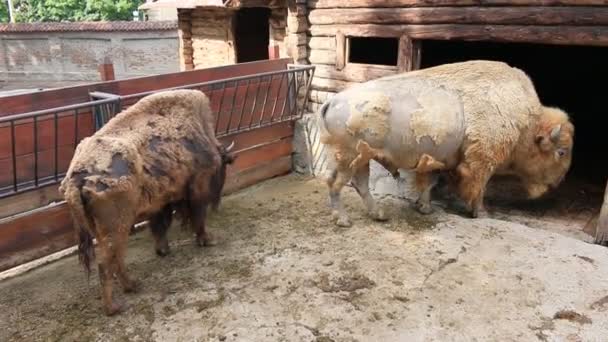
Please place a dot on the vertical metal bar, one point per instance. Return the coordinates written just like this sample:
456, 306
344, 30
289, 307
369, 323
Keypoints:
310, 75
14, 152
236, 89
244, 103
76, 128
274, 106
219, 111
265, 100
255, 101
56, 122
36, 151
290, 79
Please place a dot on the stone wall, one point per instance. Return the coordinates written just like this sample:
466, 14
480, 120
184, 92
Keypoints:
75, 55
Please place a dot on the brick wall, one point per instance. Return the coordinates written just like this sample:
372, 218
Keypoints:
48, 52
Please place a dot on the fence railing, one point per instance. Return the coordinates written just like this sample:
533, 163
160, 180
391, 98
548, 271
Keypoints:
243, 103
36, 147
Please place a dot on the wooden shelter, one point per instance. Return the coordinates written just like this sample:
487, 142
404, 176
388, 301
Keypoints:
219, 32
561, 44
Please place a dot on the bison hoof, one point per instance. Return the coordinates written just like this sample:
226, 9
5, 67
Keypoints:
343, 221
114, 309
479, 214
133, 287
379, 215
206, 241
162, 252
423, 208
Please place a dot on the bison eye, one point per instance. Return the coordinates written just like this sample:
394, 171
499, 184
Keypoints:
561, 152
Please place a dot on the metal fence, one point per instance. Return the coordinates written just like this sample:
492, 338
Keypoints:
41, 143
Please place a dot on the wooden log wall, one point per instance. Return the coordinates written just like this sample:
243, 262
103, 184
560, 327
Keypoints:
261, 153
574, 22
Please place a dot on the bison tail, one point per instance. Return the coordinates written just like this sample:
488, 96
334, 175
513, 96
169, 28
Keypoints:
83, 225
321, 117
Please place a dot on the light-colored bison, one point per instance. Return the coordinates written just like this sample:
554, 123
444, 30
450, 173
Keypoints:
470, 119
157, 156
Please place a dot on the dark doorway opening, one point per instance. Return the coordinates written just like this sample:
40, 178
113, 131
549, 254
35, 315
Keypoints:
568, 77
252, 32
373, 50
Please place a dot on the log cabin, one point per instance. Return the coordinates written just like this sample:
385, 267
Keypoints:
561, 44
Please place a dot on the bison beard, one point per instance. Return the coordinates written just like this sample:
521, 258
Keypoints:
121, 176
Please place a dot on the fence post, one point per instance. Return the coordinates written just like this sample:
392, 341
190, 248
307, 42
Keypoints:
106, 70
274, 52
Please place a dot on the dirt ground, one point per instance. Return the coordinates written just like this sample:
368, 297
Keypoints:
283, 272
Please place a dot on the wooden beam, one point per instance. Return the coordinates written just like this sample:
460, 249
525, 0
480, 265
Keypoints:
340, 50
601, 233
330, 85
33, 235
463, 15
571, 35
29, 200
354, 72
258, 173
431, 3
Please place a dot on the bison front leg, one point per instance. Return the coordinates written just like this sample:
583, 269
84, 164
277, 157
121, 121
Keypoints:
159, 224
425, 181
361, 185
199, 216
472, 187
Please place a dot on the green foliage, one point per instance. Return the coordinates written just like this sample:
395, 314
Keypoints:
74, 10
3, 11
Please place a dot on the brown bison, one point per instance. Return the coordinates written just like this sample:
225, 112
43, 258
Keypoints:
157, 156
470, 120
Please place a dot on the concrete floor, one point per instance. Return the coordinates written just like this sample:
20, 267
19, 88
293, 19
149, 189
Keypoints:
283, 272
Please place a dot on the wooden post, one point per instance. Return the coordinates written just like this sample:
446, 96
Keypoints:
340, 50
274, 52
601, 233
106, 70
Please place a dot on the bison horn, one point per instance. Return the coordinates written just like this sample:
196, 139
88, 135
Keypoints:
230, 147
555, 133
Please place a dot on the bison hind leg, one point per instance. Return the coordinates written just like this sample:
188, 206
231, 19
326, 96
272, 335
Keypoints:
340, 175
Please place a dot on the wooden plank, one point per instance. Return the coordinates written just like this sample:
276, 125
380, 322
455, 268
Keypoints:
259, 136
340, 50
46, 165
37, 234
463, 15
330, 85
24, 133
601, 232
579, 35
256, 174
29, 200
262, 154
322, 57
431, 3
354, 72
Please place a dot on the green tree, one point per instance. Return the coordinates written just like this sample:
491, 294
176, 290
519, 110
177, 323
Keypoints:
3, 12
74, 10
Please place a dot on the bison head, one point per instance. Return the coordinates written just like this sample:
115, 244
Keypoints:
545, 164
